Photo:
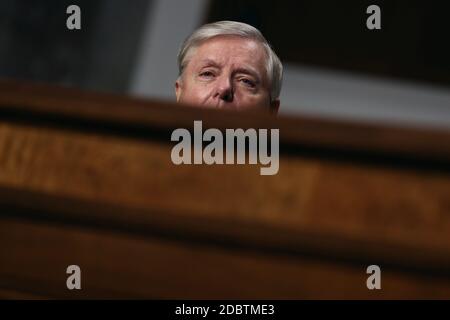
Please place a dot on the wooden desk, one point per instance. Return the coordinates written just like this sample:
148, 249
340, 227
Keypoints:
87, 179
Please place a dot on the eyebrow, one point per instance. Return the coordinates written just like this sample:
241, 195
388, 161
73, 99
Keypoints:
209, 63
249, 71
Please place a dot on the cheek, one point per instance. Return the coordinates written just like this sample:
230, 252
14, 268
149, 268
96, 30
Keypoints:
195, 91
253, 99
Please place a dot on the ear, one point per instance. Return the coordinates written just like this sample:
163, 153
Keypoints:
178, 89
274, 106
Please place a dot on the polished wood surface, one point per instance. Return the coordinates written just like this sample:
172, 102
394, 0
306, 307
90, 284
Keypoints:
87, 179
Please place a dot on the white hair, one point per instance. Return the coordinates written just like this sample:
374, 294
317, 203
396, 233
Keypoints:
233, 28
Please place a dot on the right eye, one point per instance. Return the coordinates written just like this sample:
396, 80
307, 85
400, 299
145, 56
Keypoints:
206, 74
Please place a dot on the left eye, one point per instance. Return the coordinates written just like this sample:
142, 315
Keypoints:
206, 74
248, 82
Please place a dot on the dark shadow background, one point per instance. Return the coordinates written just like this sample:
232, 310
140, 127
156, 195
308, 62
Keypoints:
35, 44
413, 43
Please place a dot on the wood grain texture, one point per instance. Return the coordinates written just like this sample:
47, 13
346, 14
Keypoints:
34, 101
118, 266
102, 196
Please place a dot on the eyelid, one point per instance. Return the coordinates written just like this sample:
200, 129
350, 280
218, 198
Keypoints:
249, 74
209, 75
252, 83
203, 70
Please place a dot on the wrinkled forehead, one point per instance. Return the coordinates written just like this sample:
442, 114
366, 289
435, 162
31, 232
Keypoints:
226, 50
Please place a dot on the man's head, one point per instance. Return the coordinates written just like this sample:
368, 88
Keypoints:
229, 65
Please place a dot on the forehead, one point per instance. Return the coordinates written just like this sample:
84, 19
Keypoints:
231, 50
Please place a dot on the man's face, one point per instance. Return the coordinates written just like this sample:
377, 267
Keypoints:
226, 72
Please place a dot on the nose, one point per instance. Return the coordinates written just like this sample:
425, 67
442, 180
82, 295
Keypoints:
224, 89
